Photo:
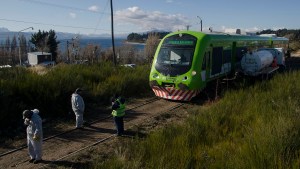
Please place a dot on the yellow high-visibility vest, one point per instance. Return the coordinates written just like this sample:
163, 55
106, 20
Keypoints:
120, 111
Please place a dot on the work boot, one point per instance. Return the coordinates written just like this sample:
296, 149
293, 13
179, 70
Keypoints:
37, 161
31, 160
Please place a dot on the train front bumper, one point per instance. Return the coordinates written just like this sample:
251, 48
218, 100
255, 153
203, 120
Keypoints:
174, 94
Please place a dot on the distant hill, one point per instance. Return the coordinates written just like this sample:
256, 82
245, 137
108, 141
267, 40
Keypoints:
4, 33
292, 34
4, 30
137, 37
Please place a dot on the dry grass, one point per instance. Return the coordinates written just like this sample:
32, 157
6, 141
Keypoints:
40, 70
296, 54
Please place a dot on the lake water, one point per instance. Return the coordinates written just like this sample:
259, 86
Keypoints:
105, 43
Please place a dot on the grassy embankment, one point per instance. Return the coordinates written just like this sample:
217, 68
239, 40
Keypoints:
254, 127
50, 90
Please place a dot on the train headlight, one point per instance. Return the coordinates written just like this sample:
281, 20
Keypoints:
155, 75
194, 73
184, 78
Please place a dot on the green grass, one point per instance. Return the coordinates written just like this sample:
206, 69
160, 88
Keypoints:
21, 88
255, 127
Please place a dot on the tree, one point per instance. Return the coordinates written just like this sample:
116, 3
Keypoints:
91, 53
45, 42
14, 51
135, 37
151, 45
52, 43
6, 51
23, 47
39, 40
126, 54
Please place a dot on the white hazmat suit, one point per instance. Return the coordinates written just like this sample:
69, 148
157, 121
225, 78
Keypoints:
34, 135
78, 108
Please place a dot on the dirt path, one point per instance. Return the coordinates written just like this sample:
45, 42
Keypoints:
61, 146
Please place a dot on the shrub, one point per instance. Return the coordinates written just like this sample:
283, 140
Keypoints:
50, 92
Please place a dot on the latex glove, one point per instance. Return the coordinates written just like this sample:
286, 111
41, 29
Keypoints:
36, 138
26, 121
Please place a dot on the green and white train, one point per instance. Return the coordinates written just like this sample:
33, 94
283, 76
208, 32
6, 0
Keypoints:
186, 61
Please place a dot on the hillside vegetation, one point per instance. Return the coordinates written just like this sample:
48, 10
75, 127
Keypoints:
292, 34
253, 127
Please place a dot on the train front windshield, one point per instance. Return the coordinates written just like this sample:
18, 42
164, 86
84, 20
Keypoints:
176, 55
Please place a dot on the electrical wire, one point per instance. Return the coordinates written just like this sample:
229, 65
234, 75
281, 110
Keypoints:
54, 25
96, 28
62, 6
101, 17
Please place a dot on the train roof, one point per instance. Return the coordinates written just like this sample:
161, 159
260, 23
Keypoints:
230, 37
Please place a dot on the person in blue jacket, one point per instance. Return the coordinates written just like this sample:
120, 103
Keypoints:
118, 112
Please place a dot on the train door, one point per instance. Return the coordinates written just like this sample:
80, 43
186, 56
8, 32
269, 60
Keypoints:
233, 56
216, 66
227, 57
205, 71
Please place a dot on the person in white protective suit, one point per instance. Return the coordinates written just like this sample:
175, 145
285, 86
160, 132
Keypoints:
34, 134
78, 107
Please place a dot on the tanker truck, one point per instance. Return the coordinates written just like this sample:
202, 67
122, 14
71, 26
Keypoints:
264, 61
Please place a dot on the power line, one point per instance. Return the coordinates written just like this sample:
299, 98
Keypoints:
62, 6
68, 26
54, 25
100, 18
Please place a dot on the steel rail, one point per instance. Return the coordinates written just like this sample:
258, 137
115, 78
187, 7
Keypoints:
105, 139
89, 123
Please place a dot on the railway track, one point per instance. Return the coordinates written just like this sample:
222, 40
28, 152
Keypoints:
88, 123
69, 143
101, 140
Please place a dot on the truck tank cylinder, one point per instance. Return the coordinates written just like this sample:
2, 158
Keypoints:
256, 61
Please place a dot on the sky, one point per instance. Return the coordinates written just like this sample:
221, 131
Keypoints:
94, 16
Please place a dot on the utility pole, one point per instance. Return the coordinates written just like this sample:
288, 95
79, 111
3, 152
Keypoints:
112, 32
68, 51
200, 22
20, 58
188, 27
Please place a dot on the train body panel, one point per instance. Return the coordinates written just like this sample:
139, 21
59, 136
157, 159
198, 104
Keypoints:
186, 61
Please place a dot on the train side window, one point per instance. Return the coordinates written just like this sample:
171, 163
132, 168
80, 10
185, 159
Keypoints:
216, 66
226, 56
205, 60
240, 53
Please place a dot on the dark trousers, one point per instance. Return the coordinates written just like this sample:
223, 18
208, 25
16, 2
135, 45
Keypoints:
119, 125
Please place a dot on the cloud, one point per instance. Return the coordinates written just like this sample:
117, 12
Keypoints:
93, 8
169, 1
149, 20
72, 15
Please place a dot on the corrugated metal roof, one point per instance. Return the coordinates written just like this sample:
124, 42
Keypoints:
40, 53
